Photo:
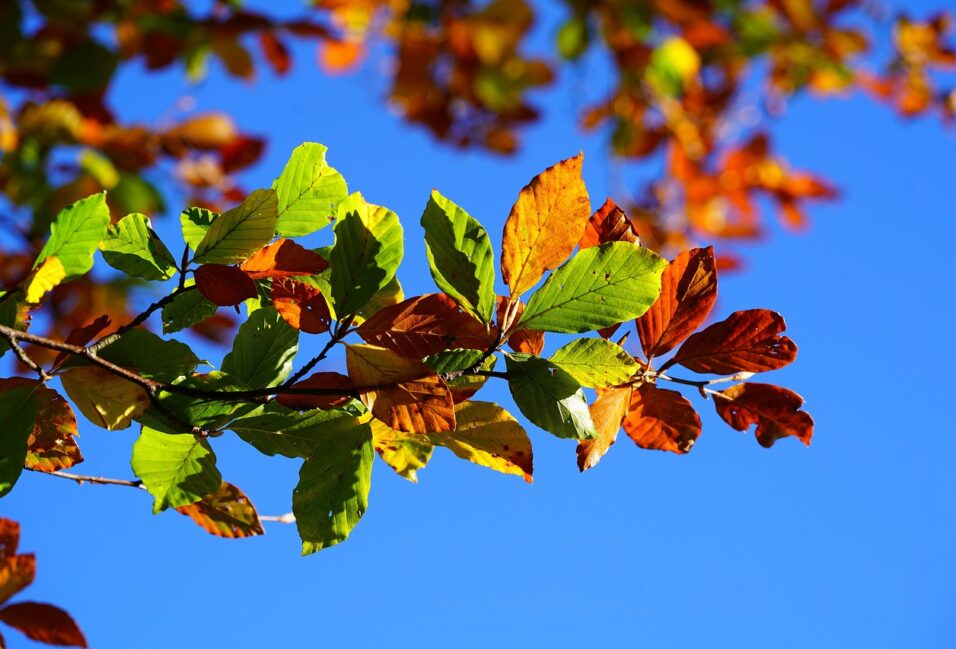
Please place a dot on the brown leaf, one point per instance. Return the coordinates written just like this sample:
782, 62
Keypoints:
607, 412
545, 224
205, 132
319, 381
51, 446
275, 52
44, 623
224, 285
609, 223
242, 152
283, 258
747, 341
688, 293
80, 337
16, 573
775, 411
521, 340
661, 419
227, 513
425, 325
403, 393
301, 305
9, 537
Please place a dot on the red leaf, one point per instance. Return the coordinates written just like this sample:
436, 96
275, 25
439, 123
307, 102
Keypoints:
609, 223
224, 285
275, 52
775, 411
661, 419
9, 537
44, 623
16, 573
81, 336
283, 258
688, 293
424, 325
747, 341
301, 305
241, 152
320, 381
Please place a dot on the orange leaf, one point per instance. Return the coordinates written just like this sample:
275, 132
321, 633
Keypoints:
9, 537
319, 381
661, 419
545, 224
607, 412
403, 393
44, 623
275, 52
688, 293
775, 411
240, 153
283, 258
747, 341
81, 336
338, 57
526, 341
425, 325
16, 573
609, 223
227, 513
301, 305
224, 285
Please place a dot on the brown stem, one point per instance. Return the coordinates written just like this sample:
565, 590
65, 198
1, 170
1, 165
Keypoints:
138, 320
341, 330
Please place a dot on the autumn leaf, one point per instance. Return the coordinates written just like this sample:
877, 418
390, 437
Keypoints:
609, 223
17, 571
607, 412
81, 336
775, 411
661, 419
224, 285
301, 305
688, 293
526, 341
339, 383
43, 623
747, 341
545, 224
283, 258
406, 453
403, 393
227, 513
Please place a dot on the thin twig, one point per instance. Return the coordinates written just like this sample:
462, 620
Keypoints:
25, 358
341, 330
138, 320
702, 386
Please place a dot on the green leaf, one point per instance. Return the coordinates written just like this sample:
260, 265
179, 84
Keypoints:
76, 233
134, 248
17, 414
460, 256
176, 469
595, 362
14, 314
453, 360
196, 222
241, 231
308, 191
368, 249
599, 287
186, 309
263, 350
205, 413
150, 355
549, 397
332, 493
277, 430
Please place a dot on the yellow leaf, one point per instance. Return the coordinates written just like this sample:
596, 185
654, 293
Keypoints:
607, 412
43, 279
488, 435
104, 398
404, 452
545, 224
403, 393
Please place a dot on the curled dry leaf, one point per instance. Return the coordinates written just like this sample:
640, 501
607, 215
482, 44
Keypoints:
301, 305
224, 285
775, 411
688, 293
661, 419
747, 341
527, 341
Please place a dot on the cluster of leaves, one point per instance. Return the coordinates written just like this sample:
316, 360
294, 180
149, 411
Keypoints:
41, 622
419, 361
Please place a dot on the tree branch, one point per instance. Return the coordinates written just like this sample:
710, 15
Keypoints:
341, 330
703, 386
138, 320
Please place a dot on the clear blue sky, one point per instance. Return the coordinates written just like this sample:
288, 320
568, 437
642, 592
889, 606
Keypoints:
846, 544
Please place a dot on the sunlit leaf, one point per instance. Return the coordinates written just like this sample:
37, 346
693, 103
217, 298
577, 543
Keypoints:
104, 398
76, 234
16, 573
224, 285
185, 310
18, 406
595, 362
280, 431
549, 397
263, 350
195, 222
283, 258
43, 623
406, 453
226, 512
301, 305
609, 223
241, 231
338, 386
133, 247
661, 419
775, 411
176, 469
747, 341
607, 412
308, 191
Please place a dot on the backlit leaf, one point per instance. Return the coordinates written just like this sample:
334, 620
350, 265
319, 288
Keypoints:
607, 412
595, 362
43, 623
18, 407
133, 247
280, 431
195, 222
224, 285
332, 494
308, 191
283, 258
150, 355
460, 256
465, 385
747, 341
688, 293
549, 397
406, 453
226, 512
176, 469
598, 287
43, 279
775, 411
50, 446
76, 234
609, 223
104, 398
263, 350
545, 224
241, 231
301, 305
16, 573
661, 419
185, 310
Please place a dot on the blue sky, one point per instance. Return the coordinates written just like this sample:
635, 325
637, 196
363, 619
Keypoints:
847, 543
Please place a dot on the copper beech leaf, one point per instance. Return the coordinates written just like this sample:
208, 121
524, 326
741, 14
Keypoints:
43, 623
301, 305
424, 325
545, 224
609, 223
403, 393
747, 341
50, 446
9, 537
226, 512
224, 285
607, 412
283, 258
661, 419
688, 293
775, 411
